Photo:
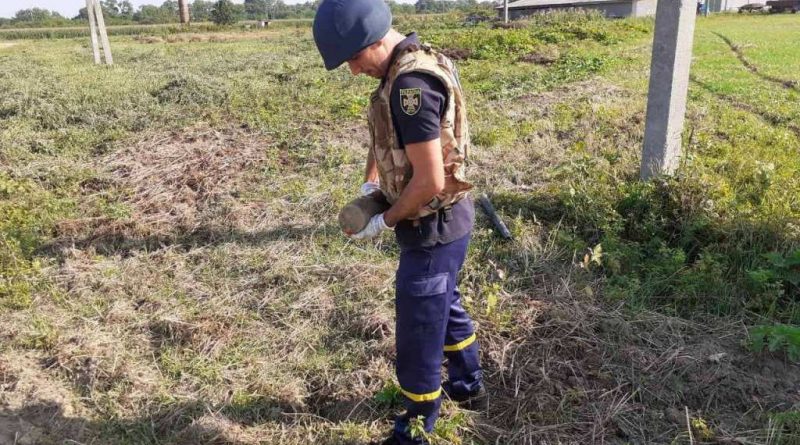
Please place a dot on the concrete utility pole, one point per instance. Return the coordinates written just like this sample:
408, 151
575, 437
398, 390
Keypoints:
93, 30
183, 6
101, 26
97, 25
669, 83
505, 11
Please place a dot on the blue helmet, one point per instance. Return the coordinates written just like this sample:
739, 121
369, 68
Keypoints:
342, 28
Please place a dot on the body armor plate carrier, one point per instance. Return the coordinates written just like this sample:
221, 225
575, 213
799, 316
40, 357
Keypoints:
394, 168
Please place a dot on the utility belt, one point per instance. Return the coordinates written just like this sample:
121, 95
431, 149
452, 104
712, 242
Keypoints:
444, 226
446, 212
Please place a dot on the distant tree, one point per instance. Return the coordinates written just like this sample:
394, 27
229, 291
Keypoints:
170, 7
223, 13
33, 15
257, 9
149, 14
200, 10
126, 9
423, 6
37, 17
438, 6
400, 8
110, 8
280, 10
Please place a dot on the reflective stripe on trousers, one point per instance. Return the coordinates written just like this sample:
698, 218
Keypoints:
431, 323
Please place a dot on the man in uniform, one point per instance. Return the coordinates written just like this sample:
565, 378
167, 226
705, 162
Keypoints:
419, 142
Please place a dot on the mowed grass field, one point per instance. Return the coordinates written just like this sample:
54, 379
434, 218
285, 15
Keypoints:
173, 273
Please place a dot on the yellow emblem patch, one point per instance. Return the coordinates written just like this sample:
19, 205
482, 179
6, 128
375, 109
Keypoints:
410, 100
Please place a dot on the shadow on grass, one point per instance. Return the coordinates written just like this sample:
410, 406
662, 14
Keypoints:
661, 250
186, 423
122, 244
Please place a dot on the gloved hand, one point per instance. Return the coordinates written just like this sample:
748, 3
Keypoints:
375, 226
369, 188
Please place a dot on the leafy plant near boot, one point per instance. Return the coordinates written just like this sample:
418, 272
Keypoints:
389, 395
416, 428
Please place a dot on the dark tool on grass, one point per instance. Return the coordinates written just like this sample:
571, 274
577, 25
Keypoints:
356, 214
488, 208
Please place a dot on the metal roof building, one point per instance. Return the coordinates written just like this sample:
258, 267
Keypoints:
609, 8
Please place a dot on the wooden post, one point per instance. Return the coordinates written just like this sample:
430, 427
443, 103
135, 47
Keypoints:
183, 6
505, 11
101, 27
93, 30
669, 84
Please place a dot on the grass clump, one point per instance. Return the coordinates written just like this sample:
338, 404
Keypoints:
665, 246
27, 216
786, 426
17, 277
777, 338
191, 90
569, 29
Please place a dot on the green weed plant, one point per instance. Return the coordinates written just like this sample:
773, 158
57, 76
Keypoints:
776, 338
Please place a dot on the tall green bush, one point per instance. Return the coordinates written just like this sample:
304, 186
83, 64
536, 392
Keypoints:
224, 13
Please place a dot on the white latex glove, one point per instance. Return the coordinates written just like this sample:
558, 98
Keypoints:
369, 188
375, 226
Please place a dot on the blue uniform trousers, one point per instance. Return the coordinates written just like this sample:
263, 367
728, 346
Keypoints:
432, 323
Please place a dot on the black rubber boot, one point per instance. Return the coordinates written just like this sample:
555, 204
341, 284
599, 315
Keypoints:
479, 401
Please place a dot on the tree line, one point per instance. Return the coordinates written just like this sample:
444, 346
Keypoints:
119, 12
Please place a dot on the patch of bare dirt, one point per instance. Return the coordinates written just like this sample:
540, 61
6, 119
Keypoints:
545, 55
35, 407
215, 429
515, 24
457, 53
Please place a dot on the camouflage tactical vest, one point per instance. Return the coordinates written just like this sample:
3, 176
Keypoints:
393, 165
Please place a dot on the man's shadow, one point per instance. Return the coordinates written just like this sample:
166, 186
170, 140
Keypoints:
187, 423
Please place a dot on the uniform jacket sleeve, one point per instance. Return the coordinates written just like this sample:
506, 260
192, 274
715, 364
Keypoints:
417, 122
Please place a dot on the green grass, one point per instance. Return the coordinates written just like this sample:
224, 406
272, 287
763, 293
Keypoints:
68, 32
168, 243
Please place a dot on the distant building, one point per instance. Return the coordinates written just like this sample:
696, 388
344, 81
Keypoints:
728, 5
609, 8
